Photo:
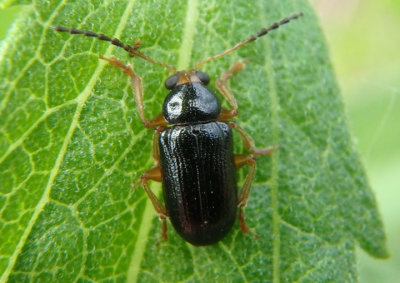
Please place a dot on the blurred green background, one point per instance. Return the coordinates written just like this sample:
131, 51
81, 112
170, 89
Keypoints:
364, 40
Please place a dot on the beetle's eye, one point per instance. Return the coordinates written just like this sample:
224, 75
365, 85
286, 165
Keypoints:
172, 81
205, 79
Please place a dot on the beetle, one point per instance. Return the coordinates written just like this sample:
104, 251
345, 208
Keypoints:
193, 146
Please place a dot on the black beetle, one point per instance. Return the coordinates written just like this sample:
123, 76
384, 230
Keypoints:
194, 156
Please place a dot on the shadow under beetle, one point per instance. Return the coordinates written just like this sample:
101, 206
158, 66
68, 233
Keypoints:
193, 147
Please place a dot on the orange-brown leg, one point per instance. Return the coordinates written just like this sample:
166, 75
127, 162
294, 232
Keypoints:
248, 142
137, 88
154, 174
222, 87
240, 161
247, 159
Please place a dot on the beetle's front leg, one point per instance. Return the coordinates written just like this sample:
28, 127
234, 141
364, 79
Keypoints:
222, 87
137, 88
154, 174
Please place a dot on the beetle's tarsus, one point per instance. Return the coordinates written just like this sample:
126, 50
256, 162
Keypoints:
243, 226
135, 185
114, 61
265, 151
164, 235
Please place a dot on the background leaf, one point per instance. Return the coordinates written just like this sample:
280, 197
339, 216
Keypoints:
72, 143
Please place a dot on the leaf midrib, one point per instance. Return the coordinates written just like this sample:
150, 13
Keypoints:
274, 157
81, 100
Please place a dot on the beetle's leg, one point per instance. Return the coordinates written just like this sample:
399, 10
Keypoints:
154, 174
137, 88
248, 142
247, 159
240, 161
224, 90
156, 147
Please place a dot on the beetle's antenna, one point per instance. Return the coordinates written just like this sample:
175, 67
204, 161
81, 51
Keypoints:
132, 50
251, 38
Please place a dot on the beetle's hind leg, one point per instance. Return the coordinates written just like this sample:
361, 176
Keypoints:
240, 161
137, 88
247, 159
154, 174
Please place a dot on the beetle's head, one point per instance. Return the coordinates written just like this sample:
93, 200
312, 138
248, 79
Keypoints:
189, 100
184, 77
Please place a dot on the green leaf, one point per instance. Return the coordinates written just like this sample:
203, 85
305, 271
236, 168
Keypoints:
71, 144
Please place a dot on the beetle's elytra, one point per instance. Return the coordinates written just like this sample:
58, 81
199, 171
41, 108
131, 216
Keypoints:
193, 146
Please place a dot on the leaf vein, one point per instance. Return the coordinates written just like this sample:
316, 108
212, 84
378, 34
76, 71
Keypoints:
81, 99
274, 158
228, 252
